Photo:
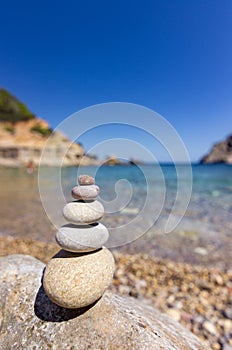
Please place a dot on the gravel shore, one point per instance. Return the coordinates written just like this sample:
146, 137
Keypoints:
199, 298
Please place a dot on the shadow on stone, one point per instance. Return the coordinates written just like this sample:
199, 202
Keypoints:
46, 310
66, 254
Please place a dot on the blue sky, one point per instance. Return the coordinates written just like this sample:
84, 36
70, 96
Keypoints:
173, 56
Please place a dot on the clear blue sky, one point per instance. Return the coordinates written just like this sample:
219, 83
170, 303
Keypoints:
173, 56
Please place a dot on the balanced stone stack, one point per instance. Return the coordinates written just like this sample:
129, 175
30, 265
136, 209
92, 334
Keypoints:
78, 275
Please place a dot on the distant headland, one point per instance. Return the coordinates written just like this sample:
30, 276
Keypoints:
221, 152
23, 136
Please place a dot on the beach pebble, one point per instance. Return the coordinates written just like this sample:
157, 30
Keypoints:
85, 180
201, 251
175, 314
85, 192
228, 313
209, 327
227, 347
79, 212
79, 238
74, 280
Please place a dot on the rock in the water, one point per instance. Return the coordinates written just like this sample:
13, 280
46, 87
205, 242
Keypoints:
29, 320
82, 238
75, 280
85, 192
79, 212
221, 152
85, 180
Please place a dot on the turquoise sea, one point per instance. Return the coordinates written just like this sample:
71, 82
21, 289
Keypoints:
138, 201
210, 205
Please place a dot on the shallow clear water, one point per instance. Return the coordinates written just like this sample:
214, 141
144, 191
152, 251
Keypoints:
211, 197
125, 190
137, 199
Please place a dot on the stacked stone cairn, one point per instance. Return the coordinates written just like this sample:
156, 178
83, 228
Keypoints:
79, 274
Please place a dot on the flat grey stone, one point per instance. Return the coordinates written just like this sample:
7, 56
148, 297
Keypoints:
79, 238
80, 212
85, 192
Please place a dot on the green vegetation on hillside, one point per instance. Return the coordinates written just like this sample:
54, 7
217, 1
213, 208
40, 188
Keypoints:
41, 130
10, 129
11, 109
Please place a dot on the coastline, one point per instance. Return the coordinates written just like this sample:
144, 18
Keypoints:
203, 238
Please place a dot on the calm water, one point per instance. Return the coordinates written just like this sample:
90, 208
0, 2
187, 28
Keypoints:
136, 200
210, 206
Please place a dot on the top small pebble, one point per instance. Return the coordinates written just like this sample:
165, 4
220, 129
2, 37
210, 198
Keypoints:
85, 180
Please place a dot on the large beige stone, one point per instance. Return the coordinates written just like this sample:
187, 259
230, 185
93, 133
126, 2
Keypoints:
75, 280
29, 320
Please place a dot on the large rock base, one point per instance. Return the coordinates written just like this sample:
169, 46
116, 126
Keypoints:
29, 320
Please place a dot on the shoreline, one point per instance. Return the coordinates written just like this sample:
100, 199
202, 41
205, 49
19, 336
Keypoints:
203, 236
186, 247
199, 298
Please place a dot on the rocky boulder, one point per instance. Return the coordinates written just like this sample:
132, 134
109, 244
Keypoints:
221, 152
23, 137
29, 320
112, 160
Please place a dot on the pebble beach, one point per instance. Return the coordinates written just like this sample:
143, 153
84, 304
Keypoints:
199, 298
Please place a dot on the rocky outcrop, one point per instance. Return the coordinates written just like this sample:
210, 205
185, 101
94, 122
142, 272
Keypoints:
221, 152
23, 142
11, 109
29, 320
112, 160
23, 137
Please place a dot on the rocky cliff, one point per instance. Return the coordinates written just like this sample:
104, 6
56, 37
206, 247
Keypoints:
221, 152
11, 109
24, 141
23, 137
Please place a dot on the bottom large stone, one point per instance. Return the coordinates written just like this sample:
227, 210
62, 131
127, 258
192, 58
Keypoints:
29, 320
74, 280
